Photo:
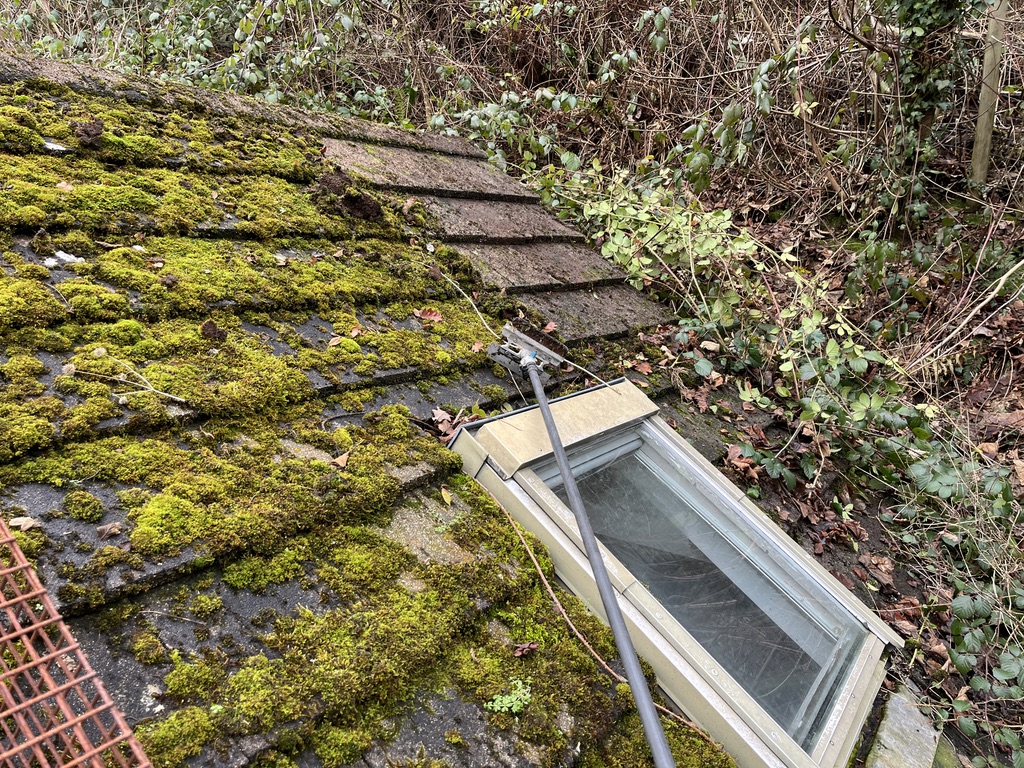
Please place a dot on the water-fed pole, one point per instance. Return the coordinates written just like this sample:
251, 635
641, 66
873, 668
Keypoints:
524, 357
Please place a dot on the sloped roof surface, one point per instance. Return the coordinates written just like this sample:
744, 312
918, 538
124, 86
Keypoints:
222, 326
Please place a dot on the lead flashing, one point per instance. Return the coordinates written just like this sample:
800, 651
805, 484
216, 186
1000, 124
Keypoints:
521, 438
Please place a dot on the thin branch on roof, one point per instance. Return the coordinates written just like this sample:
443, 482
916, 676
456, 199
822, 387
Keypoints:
145, 384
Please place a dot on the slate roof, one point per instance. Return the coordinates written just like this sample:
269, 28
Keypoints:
223, 327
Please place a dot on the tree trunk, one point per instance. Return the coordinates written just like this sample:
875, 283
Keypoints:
989, 96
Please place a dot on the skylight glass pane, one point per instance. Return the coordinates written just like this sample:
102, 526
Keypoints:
766, 622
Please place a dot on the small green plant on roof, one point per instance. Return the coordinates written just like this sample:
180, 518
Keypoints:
513, 702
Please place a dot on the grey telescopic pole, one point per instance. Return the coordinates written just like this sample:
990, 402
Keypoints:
641, 694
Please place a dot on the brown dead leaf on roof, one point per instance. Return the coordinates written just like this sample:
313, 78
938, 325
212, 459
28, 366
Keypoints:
88, 132
550, 327
341, 461
335, 341
843, 579
210, 330
428, 315
446, 495
108, 531
698, 396
24, 523
477, 347
808, 512
64, 186
644, 367
446, 424
358, 330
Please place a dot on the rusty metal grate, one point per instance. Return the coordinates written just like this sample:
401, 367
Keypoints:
55, 710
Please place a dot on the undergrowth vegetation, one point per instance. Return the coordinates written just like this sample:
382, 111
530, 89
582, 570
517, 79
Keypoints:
865, 395
789, 177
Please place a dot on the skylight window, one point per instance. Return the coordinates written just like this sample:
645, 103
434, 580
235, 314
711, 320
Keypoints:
748, 635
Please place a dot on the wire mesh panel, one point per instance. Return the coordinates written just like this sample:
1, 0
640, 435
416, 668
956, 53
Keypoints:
54, 710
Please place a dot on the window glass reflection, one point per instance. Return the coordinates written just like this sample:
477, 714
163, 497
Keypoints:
769, 627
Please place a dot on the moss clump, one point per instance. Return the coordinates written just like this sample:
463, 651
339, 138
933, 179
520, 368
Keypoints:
454, 737
171, 741
22, 431
166, 524
204, 606
94, 303
17, 131
147, 648
21, 371
495, 394
88, 581
338, 747
134, 149
27, 302
257, 573
32, 542
263, 695
194, 681
82, 505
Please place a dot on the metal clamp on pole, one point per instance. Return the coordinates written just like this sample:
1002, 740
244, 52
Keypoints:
525, 357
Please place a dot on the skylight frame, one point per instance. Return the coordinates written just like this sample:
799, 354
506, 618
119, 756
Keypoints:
505, 458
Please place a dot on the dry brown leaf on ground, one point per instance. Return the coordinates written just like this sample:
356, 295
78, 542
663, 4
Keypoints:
990, 450
747, 467
994, 423
938, 650
756, 434
879, 566
905, 628
907, 609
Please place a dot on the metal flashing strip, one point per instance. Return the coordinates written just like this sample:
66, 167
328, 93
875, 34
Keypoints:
56, 711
